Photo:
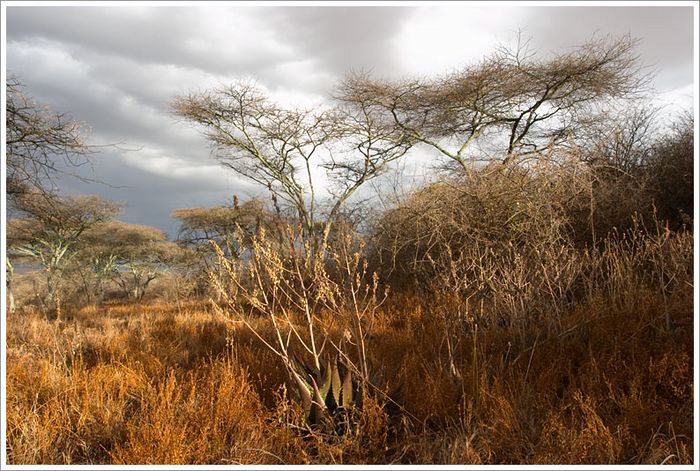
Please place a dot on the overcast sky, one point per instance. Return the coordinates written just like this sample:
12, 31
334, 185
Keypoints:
117, 68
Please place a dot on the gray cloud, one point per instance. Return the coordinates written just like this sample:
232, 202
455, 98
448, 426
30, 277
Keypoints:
665, 34
149, 199
175, 35
342, 39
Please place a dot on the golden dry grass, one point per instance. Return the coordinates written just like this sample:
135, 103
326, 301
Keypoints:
160, 383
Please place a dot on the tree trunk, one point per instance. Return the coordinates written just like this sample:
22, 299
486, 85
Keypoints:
50, 290
9, 271
144, 286
100, 292
10, 298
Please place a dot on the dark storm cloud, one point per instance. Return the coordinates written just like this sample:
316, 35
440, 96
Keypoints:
343, 39
114, 115
112, 58
255, 42
172, 35
150, 200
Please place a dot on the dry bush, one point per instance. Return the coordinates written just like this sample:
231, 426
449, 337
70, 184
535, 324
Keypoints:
637, 169
486, 211
494, 246
305, 293
505, 242
670, 170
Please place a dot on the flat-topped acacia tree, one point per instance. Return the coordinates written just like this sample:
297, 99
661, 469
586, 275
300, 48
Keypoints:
229, 225
50, 228
279, 148
143, 253
514, 101
133, 254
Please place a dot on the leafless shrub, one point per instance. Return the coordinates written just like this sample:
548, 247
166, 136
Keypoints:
303, 294
449, 226
670, 170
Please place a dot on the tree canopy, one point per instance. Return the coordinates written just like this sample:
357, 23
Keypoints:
513, 97
278, 147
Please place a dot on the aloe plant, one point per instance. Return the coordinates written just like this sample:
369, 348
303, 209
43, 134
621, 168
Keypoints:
325, 397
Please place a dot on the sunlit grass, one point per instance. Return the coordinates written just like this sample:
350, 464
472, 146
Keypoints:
154, 383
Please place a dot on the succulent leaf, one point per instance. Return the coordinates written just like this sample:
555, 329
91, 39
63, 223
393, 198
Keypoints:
324, 380
318, 406
347, 390
304, 392
335, 381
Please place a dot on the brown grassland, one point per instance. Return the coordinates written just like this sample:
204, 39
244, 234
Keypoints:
610, 380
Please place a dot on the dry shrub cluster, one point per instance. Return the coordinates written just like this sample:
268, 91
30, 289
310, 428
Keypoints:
520, 239
445, 233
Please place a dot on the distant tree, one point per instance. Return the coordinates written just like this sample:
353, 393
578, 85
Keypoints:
279, 148
49, 231
97, 258
227, 225
95, 265
141, 254
131, 255
512, 97
188, 277
231, 226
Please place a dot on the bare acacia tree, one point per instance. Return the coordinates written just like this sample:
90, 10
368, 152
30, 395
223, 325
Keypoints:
37, 140
279, 148
50, 229
512, 97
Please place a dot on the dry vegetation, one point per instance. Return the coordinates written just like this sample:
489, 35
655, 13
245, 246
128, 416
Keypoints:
164, 383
